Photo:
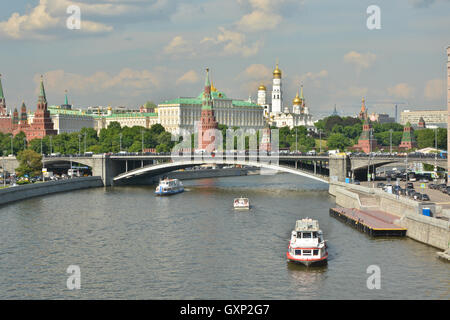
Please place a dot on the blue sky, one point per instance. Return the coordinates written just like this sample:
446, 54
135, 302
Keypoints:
131, 51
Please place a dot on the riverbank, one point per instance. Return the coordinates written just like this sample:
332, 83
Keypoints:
17, 193
433, 231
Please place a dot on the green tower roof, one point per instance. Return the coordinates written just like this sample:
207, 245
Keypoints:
1, 88
42, 90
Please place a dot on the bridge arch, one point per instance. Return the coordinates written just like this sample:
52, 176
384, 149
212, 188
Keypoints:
157, 169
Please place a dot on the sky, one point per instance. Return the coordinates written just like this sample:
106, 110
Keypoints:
127, 52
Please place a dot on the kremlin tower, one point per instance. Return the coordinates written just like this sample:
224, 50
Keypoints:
363, 113
42, 123
207, 119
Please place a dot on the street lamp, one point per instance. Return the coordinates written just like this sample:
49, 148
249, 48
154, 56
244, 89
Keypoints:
51, 151
79, 144
120, 145
85, 142
320, 140
435, 146
12, 149
296, 141
390, 141
142, 138
3, 166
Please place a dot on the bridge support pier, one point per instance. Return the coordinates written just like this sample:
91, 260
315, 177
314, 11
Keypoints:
340, 165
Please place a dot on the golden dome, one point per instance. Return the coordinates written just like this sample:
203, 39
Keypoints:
277, 73
109, 108
262, 87
297, 100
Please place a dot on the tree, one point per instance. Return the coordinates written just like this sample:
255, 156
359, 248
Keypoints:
338, 141
30, 163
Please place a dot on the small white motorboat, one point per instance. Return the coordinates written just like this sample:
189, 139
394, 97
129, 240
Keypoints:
241, 204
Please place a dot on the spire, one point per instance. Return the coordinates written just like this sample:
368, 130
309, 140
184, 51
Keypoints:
207, 81
301, 92
42, 96
66, 101
206, 99
1, 88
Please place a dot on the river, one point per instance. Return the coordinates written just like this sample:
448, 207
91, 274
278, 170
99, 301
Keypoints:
130, 244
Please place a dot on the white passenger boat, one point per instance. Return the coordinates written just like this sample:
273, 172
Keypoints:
168, 187
307, 245
241, 204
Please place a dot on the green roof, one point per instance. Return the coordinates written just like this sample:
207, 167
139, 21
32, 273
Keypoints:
216, 95
127, 115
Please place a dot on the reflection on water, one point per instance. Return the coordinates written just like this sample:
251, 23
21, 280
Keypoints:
130, 244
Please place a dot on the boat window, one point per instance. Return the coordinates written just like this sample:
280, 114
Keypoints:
299, 235
307, 235
298, 252
314, 234
306, 252
315, 252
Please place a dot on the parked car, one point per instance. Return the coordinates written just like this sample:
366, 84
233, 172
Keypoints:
425, 197
380, 185
417, 196
410, 192
356, 182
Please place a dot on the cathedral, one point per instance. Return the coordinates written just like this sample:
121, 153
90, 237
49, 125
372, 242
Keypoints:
277, 113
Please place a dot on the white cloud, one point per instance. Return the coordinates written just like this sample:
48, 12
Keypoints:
47, 20
434, 89
18, 26
234, 43
264, 14
401, 90
360, 60
178, 45
129, 80
259, 20
189, 77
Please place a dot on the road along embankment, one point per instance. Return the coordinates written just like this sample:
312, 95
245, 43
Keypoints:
21, 192
429, 230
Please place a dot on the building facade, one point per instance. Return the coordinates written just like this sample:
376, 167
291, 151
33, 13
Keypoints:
129, 119
437, 118
182, 113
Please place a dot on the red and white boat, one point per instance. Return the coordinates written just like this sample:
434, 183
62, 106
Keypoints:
307, 245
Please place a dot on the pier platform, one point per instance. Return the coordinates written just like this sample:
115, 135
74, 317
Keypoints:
376, 223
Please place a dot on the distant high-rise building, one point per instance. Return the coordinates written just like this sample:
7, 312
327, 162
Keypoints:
448, 105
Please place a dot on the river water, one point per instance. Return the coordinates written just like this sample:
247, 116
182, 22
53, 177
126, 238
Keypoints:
130, 244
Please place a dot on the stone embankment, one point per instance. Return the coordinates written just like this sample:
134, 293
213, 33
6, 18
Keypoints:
21, 192
434, 231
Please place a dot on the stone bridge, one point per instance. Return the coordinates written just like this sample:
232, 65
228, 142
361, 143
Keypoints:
116, 169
